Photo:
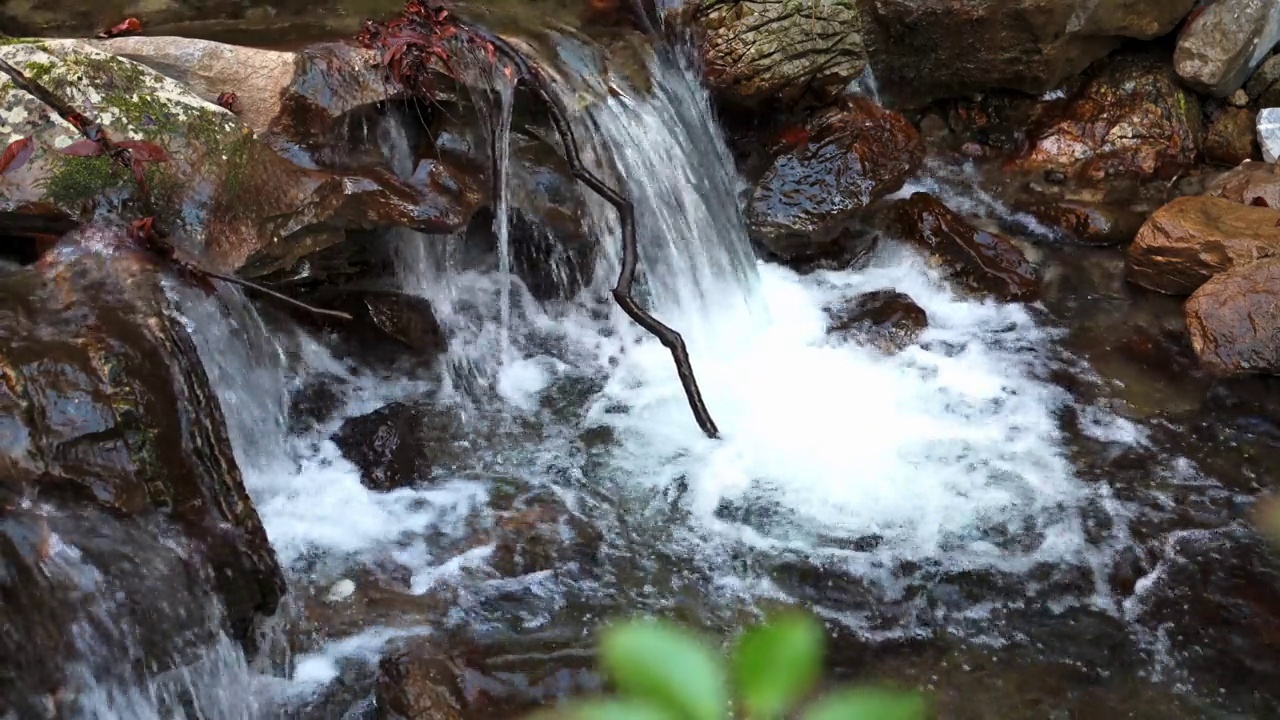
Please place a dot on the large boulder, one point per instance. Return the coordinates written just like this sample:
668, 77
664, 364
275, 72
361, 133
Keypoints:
823, 178
984, 261
1131, 119
229, 200
773, 50
927, 49
106, 406
1191, 239
1234, 320
1223, 45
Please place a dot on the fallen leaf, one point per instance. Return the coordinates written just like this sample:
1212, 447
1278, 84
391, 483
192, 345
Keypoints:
1259, 202
16, 154
130, 26
144, 151
82, 148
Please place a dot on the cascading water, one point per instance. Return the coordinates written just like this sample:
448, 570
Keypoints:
903, 476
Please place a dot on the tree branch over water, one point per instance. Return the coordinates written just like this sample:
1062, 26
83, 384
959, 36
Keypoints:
413, 42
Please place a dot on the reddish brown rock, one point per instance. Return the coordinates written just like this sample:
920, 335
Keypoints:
827, 172
1252, 183
884, 319
1234, 320
419, 682
1232, 138
1131, 119
985, 261
1191, 239
1093, 224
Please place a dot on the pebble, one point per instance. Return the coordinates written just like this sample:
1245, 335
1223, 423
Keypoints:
1239, 98
341, 590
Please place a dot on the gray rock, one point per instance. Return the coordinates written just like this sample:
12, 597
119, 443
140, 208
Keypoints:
1269, 134
1264, 80
1224, 45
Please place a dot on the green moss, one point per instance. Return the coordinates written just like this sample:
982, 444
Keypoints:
76, 181
19, 41
39, 71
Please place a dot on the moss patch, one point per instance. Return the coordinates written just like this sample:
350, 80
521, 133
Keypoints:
78, 181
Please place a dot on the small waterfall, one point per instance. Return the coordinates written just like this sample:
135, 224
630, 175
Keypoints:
500, 149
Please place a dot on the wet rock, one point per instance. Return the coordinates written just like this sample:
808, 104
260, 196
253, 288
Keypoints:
928, 49
400, 445
1131, 119
1222, 46
758, 50
1264, 86
228, 200
1252, 183
387, 327
1192, 239
1234, 320
1217, 607
817, 185
1269, 134
1088, 223
109, 407
885, 319
418, 682
1231, 138
539, 533
985, 261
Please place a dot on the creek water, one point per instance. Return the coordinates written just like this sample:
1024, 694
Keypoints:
959, 512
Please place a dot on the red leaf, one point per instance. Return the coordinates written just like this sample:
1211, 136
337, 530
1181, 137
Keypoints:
144, 151
82, 148
1259, 201
230, 101
127, 27
17, 154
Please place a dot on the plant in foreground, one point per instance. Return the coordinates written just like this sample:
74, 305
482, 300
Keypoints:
663, 672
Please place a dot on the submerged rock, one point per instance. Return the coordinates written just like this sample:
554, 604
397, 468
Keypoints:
539, 533
418, 681
1232, 138
885, 319
107, 406
985, 261
1131, 119
928, 49
400, 445
758, 50
1088, 223
1191, 239
1252, 183
1234, 320
1222, 46
840, 162
387, 328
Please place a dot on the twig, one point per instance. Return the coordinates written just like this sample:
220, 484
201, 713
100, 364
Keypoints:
626, 215
146, 233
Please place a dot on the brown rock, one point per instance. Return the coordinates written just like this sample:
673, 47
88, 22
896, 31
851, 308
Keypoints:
885, 319
928, 49
985, 261
1130, 119
1232, 138
387, 328
1192, 239
758, 50
538, 533
1093, 224
1234, 320
107, 406
1252, 183
418, 682
400, 445
839, 163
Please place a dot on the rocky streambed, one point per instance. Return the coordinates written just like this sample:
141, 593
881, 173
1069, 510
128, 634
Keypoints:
982, 296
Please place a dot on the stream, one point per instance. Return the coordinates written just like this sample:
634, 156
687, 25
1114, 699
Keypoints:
1008, 513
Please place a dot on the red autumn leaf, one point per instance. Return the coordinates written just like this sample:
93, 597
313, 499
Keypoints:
127, 27
82, 148
229, 101
143, 151
1259, 201
16, 154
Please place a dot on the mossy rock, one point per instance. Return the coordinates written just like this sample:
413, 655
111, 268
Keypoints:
208, 147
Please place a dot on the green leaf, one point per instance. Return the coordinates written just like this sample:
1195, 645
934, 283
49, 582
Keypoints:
868, 704
661, 663
775, 664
